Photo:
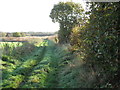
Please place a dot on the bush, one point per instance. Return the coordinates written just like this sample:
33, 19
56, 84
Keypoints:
97, 42
16, 34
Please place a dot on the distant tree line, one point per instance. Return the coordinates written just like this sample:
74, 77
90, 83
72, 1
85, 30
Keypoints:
14, 34
23, 34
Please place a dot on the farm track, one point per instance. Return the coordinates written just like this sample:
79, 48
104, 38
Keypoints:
38, 58
42, 68
23, 70
36, 71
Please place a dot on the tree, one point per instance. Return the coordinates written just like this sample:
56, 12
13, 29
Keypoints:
23, 34
104, 28
16, 34
2, 34
68, 15
98, 41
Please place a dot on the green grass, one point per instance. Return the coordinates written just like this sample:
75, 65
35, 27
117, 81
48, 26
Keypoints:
47, 66
34, 70
10, 44
14, 70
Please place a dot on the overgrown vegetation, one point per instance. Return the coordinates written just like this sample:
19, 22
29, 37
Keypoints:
85, 57
36, 68
67, 15
96, 44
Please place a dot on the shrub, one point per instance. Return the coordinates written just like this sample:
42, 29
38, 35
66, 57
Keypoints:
16, 34
98, 42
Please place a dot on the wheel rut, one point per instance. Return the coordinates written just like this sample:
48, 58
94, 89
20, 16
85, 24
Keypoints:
38, 59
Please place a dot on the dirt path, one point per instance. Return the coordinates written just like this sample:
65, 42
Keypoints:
37, 60
38, 76
38, 71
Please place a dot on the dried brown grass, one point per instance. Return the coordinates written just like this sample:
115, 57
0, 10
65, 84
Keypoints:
27, 38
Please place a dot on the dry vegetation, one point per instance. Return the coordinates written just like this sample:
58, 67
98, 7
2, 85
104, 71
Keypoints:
27, 38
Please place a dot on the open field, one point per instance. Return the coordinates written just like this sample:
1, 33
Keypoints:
27, 38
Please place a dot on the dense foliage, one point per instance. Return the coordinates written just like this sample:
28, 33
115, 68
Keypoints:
67, 15
98, 42
95, 41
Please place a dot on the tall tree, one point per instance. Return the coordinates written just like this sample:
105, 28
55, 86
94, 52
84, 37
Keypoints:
68, 15
16, 34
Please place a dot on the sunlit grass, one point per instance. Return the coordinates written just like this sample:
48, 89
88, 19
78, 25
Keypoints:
10, 44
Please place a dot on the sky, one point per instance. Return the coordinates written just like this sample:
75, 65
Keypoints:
28, 15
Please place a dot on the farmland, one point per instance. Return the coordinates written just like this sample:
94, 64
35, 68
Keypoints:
43, 63
29, 65
84, 53
19, 72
